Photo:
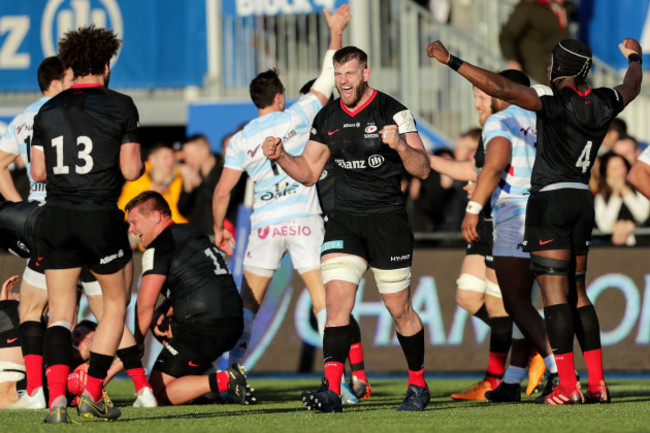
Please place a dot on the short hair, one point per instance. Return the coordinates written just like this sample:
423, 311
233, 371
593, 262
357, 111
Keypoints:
87, 49
349, 53
307, 86
50, 69
156, 147
150, 201
516, 76
619, 125
199, 139
637, 146
78, 333
264, 87
473, 133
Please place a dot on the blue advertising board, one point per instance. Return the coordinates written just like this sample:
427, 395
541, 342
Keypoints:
164, 40
245, 8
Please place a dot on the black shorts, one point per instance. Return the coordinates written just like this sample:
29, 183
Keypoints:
559, 220
384, 240
483, 247
193, 348
72, 237
9, 324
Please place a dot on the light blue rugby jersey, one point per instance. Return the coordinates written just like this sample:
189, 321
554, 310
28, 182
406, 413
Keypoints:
18, 137
519, 127
278, 197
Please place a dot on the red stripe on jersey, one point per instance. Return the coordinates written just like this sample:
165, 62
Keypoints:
85, 85
588, 91
359, 109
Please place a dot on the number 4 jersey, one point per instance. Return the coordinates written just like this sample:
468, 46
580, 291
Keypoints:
81, 131
570, 128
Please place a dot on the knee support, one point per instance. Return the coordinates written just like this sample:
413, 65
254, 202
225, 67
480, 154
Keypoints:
392, 280
11, 372
472, 283
547, 266
493, 289
345, 268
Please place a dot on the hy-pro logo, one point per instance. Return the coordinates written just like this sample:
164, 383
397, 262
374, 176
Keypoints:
60, 16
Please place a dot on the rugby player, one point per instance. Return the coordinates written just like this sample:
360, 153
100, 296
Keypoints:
510, 137
572, 120
371, 137
85, 144
286, 215
183, 265
12, 368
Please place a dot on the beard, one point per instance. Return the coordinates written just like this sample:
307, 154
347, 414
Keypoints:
356, 95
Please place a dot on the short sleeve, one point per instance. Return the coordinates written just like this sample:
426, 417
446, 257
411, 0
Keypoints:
156, 260
9, 140
235, 156
131, 122
495, 126
317, 132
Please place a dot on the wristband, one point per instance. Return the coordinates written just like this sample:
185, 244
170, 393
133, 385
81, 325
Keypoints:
634, 57
454, 62
473, 208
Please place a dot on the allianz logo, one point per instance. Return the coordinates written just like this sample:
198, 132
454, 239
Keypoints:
373, 161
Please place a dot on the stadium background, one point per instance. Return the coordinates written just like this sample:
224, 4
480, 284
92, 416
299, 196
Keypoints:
187, 65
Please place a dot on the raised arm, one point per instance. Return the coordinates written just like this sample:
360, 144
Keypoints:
305, 168
337, 22
493, 84
409, 148
631, 86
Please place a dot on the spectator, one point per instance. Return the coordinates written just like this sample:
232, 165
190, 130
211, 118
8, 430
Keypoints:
528, 37
617, 129
200, 171
619, 207
161, 175
628, 147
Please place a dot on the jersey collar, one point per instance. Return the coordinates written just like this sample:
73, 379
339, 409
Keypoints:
586, 92
358, 110
86, 85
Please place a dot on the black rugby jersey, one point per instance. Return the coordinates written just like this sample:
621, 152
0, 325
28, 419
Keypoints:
571, 127
81, 131
198, 284
325, 188
18, 226
367, 171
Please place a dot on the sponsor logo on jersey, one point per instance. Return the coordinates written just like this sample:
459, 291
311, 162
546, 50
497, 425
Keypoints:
252, 153
11, 340
313, 131
333, 132
400, 258
352, 125
26, 126
370, 135
284, 231
171, 349
110, 258
350, 165
375, 161
371, 128
323, 175
290, 134
280, 191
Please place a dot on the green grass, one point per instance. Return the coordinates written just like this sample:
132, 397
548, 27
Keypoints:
280, 410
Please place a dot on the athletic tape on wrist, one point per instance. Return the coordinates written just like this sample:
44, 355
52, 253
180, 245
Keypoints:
473, 208
325, 81
454, 62
634, 57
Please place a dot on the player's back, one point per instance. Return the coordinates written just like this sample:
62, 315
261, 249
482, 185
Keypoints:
81, 131
571, 127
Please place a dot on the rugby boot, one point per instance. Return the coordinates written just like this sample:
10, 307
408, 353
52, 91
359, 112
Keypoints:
238, 386
347, 395
322, 400
417, 398
536, 370
475, 393
600, 395
57, 415
102, 409
558, 396
552, 380
26, 401
361, 389
504, 393
145, 398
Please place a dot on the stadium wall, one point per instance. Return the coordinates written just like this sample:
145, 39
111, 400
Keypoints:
618, 283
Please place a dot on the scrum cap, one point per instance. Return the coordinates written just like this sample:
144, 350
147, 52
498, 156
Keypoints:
571, 58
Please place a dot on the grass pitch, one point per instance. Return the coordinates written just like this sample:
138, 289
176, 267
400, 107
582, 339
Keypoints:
279, 410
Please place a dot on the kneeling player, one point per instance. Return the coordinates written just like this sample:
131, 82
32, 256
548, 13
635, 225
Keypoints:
207, 318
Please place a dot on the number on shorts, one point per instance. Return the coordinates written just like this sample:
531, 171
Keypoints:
584, 162
84, 154
212, 255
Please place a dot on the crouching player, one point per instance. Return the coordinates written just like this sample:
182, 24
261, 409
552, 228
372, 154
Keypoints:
186, 267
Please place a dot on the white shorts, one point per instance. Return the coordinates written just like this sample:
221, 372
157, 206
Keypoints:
301, 237
509, 238
36, 279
